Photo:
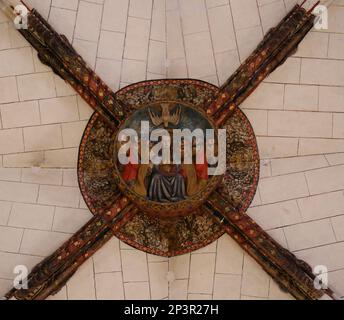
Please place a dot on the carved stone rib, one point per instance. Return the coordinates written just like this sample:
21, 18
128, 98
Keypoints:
286, 269
277, 46
55, 51
49, 276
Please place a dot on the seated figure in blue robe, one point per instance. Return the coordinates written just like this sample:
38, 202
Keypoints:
167, 184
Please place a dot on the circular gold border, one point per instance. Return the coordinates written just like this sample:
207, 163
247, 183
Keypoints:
193, 246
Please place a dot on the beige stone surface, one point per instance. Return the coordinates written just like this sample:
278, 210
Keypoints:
297, 114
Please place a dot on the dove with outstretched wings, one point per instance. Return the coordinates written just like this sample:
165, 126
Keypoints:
166, 117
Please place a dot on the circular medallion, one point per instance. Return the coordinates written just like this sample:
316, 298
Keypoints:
157, 182
173, 218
